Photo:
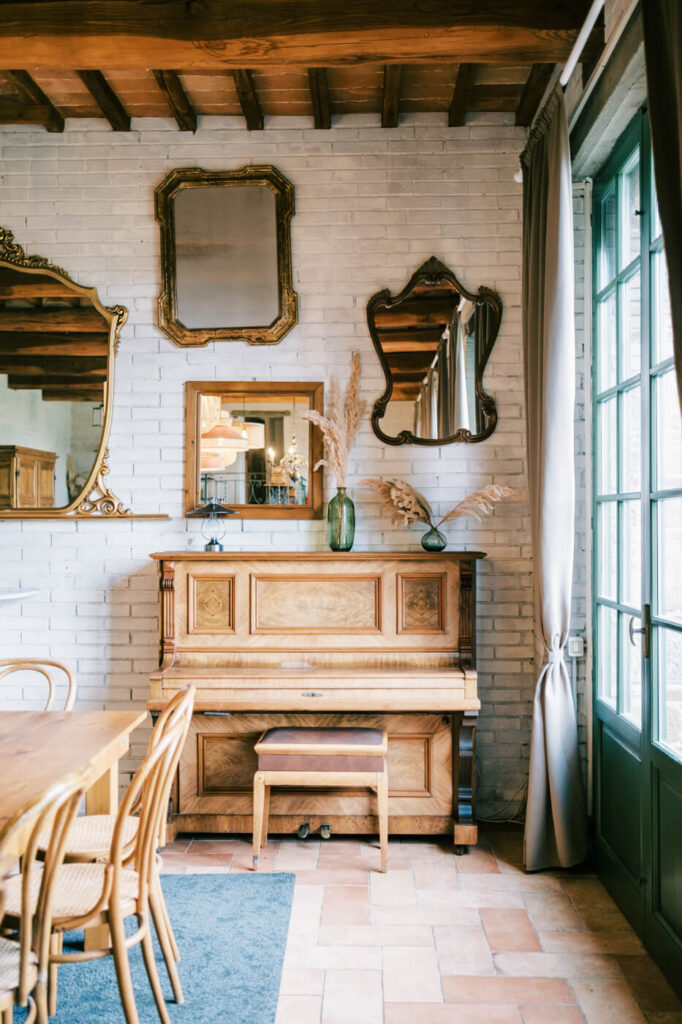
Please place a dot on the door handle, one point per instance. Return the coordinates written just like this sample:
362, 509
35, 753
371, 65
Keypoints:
644, 630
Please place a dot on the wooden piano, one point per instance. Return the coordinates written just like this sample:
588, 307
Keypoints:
373, 639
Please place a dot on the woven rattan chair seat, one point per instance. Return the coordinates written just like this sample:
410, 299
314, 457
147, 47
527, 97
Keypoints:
9, 967
90, 836
77, 890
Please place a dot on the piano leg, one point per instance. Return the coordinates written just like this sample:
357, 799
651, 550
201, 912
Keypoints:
464, 779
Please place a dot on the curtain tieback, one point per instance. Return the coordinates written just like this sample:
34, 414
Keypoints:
555, 656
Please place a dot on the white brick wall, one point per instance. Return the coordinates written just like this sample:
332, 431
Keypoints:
372, 204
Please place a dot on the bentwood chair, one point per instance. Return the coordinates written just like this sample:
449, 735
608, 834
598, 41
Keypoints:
25, 938
42, 667
90, 838
94, 894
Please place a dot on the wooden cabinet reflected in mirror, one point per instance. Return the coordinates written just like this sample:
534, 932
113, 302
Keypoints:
57, 344
226, 255
434, 340
248, 446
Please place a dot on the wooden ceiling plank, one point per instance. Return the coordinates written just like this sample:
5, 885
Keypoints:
260, 33
461, 95
78, 318
36, 289
31, 91
32, 345
533, 91
248, 99
74, 394
390, 102
27, 366
24, 382
106, 99
180, 107
319, 97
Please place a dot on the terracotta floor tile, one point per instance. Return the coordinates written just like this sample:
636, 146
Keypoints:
557, 965
420, 848
434, 873
515, 882
326, 958
607, 1001
590, 942
550, 1013
648, 985
334, 876
180, 844
375, 935
411, 1013
353, 997
509, 930
463, 950
507, 990
296, 857
345, 904
340, 847
299, 1010
301, 981
552, 912
477, 861
458, 898
411, 975
198, 863
425, 915
225, 846
394, 889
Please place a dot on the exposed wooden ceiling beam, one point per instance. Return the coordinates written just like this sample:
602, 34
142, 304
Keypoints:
461, 94
74, 394
31, 91
533, 91
106, 99
13, 111
390, 103
180, 107
410, 345
23, 382
259, 33
54, 345
319, 97
78, 318
248, 99
63, 366
36, 288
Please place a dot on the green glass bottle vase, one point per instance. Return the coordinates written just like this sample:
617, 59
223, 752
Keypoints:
434, 540
341, 521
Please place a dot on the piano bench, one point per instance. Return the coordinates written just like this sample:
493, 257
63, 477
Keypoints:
336, 757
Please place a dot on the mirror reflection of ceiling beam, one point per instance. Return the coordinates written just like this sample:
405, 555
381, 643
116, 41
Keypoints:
59, 365
50, 344
78, 318
36, 289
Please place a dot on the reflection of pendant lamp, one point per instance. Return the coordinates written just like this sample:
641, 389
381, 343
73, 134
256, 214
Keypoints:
293, 463
213, 527
255, 433
223, 437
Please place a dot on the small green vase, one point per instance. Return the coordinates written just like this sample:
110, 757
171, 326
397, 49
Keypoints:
341, 522
434, 540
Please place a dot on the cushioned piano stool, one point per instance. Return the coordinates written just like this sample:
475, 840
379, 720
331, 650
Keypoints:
343, 758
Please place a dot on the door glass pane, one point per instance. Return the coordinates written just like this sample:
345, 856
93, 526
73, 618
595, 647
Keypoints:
607, 267
608, 550
608, 654
608, 462
670, 700
631, 667
631, 221
631, 341
669, 560
656, 228
668, 432
606, 360
631, 553
631, 441
662, 324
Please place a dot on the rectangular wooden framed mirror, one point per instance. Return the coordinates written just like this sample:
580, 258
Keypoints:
248, 446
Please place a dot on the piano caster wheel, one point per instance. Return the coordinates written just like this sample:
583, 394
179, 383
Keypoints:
303, 830
461, 850
325, 831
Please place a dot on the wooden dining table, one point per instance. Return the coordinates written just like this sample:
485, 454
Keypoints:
38, 748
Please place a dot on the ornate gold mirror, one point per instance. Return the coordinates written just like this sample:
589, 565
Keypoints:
248, 447
434, 340
226, 255
57, 345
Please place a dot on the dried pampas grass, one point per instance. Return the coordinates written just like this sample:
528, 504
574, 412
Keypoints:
408, 506
341, 424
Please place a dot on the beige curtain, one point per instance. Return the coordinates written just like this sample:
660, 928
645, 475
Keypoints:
663, 51
556, 823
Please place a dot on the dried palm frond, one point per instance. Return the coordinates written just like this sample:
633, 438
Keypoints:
405, 504
478, 504
341, 424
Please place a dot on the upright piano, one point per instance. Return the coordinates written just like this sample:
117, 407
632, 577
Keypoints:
385, 640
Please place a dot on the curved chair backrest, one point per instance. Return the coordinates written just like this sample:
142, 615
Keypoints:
178, 708
55, 812
42, 666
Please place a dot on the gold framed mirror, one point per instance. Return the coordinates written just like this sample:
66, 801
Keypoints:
248, 447
57, 348
434, 341
226, 255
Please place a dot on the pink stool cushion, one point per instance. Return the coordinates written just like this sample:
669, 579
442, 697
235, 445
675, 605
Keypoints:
300, 749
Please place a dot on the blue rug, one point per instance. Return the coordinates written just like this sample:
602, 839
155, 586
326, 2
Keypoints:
231, 930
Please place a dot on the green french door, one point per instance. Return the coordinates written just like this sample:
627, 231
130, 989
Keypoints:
637, 556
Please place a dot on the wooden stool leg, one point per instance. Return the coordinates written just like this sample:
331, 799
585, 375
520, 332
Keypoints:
258, 806
382, 802
266, 816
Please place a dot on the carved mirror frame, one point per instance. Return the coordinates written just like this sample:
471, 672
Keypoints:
95, 500
431, 274
194, 177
